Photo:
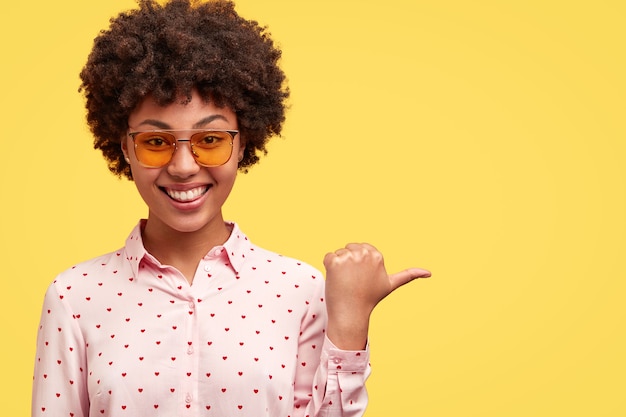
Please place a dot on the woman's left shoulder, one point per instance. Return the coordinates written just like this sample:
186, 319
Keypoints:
285, 265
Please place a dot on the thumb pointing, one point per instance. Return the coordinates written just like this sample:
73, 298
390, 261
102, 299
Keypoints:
404, 277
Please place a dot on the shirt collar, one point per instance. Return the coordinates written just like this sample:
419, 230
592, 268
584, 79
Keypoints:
237, 247
134, 249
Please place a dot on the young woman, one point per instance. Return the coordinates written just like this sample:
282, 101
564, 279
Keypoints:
190, 318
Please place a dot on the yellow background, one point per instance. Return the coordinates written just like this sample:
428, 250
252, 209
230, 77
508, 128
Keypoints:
483, 140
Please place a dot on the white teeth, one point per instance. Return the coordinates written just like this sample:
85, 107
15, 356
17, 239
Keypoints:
188, 195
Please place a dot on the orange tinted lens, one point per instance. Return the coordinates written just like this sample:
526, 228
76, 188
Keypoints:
154, 149
212, 148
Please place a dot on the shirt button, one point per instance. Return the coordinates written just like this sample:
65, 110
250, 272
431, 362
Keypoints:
192, 305
190, 350
188, 398
337, 361
207, 268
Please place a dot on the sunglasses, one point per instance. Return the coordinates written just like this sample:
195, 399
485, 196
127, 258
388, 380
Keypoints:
210, 148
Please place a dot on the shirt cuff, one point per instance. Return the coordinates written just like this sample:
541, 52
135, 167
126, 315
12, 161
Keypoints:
339, 360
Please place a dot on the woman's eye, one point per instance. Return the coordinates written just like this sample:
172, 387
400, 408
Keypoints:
209, 140
156, 141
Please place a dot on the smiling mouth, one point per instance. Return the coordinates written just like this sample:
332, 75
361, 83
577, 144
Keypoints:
186, 195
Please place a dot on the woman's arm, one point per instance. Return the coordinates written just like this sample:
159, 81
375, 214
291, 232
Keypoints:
356, 281
329, 381
60, 380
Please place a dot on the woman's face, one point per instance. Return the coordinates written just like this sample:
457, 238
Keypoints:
183, 196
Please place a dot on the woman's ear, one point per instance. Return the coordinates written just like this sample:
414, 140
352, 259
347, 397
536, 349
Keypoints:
242, 148
124, 146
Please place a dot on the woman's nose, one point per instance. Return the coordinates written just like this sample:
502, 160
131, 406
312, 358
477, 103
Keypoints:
183, 164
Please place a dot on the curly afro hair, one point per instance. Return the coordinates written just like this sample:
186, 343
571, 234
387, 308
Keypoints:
168, 50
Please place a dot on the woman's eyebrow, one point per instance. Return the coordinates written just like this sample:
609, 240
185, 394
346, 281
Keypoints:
208, 120
155, 123
201, 123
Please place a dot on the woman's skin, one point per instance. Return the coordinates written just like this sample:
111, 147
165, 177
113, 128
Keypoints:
179, 233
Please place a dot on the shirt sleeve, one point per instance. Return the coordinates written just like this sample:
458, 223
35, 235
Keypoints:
338, 375
59, 381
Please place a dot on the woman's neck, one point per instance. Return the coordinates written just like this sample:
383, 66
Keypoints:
183, 250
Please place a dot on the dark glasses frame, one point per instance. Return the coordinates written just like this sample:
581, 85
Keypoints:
192, 133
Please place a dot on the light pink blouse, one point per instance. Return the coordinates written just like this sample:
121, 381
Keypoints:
123, 335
